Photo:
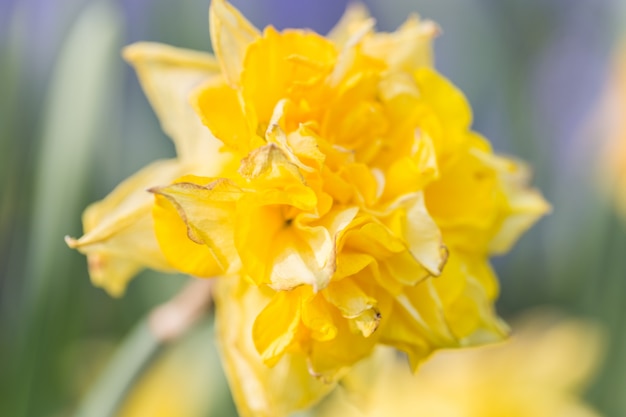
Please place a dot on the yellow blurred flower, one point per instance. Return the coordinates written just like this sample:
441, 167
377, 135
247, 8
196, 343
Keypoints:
540, 372
349, 204
610, 122
359, 177
185, 381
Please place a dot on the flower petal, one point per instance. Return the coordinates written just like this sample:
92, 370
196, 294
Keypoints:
276, 326
406, 49
119, 240
285, 65
207, 207
258, 390
523, 205
168, 76
231, 33
182, 253
467, 289
219, 108
355, 16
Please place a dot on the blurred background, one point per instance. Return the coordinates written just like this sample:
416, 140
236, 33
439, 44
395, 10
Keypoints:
74, 123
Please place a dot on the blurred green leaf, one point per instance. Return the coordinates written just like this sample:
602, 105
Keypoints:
81, 90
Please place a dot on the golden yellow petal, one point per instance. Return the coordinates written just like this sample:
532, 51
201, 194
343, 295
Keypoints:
182, 253
231, 34
207, 207
413, 171
329, 359
219, 107
465, 202
373, 238
299, 62
404, 268
318, 318
168, 76
451, 109
275, 327
278, 252
349, 263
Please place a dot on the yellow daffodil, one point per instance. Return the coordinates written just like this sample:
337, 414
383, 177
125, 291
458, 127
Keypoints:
359, 177
540, 372
610, 124
344, 198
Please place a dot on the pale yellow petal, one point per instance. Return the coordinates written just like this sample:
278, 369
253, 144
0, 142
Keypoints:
168, 76
408, 48
231, 33
355, 16
119, 239
349, 298
523, 205
414, 223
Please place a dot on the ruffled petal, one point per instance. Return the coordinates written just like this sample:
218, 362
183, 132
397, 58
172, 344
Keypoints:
259, 390
293, 63
119, 239
207, 207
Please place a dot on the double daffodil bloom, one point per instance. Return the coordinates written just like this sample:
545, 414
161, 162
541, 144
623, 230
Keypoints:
348, 202
540, 372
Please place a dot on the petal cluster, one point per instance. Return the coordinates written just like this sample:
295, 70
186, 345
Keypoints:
336, 185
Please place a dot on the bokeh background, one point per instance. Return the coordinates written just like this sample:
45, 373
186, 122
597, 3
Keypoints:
74, 122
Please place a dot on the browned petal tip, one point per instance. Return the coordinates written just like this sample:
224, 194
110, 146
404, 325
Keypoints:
432, 28
155, 190
71, 242
445, 254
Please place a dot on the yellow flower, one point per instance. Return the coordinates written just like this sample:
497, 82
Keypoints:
540, 372
610, 123
359, 177
350, 205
